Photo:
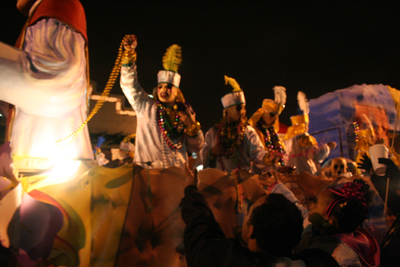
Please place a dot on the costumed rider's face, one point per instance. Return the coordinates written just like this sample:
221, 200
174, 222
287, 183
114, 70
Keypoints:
269, 117
25, 5
234, 113
166, 93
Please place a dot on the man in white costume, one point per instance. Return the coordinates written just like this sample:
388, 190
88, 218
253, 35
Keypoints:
45, 78
231, 144
166, 125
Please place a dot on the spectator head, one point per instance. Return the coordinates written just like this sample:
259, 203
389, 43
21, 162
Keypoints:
342, 210
273, 224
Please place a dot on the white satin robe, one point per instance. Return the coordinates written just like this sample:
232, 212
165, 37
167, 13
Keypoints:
46, 81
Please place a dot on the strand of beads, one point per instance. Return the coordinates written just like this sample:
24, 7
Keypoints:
271, 140
276, 144
356, 130
172, 115
231, 137
167, 132
263, 129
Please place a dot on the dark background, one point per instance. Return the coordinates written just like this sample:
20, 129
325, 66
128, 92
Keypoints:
311, 46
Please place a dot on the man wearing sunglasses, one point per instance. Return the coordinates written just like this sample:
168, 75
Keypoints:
232, 144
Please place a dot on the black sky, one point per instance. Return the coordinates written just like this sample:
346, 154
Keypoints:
312, 46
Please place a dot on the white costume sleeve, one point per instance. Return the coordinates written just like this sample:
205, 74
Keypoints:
209, 143
48, 77
46, 81
135, 94
254, 146
195, 143
322, 153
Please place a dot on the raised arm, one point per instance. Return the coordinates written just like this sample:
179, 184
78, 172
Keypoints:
201, 227
130, 85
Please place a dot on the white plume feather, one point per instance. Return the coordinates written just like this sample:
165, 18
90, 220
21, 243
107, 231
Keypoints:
280, 95
367, 121
303, 102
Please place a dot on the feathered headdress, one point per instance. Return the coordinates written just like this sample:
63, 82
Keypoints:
173, 58
236, 97
233, 83
303, 102
171, 62
278, 104
280, 96
304, 106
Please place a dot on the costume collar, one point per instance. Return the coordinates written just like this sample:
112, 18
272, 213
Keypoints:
34, 7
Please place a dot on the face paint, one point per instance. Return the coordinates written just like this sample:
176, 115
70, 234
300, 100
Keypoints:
166, 93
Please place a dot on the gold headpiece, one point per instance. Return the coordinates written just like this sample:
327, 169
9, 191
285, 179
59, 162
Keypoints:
270, 105
299, 119
307, 141
278, 104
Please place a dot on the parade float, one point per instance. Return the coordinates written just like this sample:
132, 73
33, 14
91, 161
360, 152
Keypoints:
59, 208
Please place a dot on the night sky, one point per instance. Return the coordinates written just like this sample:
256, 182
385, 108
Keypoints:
311, 46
